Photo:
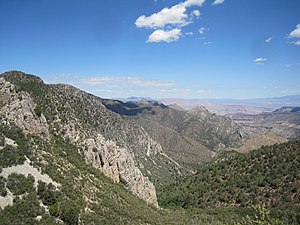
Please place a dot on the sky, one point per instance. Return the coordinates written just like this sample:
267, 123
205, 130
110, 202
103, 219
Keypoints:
190, 49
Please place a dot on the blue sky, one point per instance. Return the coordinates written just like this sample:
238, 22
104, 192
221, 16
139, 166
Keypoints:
161, 49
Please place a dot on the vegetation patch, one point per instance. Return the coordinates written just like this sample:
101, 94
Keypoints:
18, 184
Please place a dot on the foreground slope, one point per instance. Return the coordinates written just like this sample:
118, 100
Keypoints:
48, 182
270, 175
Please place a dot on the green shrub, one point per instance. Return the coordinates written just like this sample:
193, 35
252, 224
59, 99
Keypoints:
70, 213
47, 193
38, 110
10, 156
261, 216
19, 184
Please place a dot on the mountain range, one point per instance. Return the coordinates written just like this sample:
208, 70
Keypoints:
232, 106
69, 157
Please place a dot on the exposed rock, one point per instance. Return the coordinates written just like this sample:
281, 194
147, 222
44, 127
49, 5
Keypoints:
18, 108
27, 169
115, 162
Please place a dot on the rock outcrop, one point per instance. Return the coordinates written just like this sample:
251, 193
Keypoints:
19, 108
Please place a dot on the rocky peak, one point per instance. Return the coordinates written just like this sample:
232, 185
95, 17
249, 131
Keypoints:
21, 77
199, 111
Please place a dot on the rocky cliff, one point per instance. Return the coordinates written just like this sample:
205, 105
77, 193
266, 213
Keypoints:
104, 139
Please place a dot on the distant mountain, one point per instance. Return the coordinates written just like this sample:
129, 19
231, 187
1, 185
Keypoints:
284, 121
189, 138
231, 106
288, 110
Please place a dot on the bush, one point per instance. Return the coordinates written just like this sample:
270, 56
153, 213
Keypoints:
47, 193
19, 184
70, 213
262, 216
10, 156
38, 110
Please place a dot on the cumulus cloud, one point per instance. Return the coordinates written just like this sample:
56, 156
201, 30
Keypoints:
295, 33
260, 60
189, 3
174, 16
216, 2
269, 39
135, 81
297, 43
166, 36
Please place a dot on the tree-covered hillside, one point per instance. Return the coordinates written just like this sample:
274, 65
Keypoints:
270, 175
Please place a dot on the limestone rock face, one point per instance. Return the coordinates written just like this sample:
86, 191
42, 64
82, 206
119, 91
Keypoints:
18, 108
115, 162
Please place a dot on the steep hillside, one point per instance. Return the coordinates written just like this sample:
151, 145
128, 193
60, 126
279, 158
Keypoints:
103, 138
210, 130
189, 138
270, 175
284, 121
48, 182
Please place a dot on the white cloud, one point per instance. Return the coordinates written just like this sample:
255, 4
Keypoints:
166, 36
169, 16
207, 43
135, 81
260, 60
269, 39
290, 91
173, 16
189, 3
196, 13
297, 43
295, 33
216, 2
201, 91
175, 90
189, 33
201, 30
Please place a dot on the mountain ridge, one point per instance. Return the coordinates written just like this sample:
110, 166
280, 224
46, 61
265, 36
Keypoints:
104, 148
